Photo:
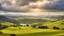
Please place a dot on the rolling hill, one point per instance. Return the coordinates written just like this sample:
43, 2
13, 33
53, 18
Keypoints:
5, 19
31, 21
59, 24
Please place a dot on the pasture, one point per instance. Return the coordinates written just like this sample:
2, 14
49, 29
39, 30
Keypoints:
29, 31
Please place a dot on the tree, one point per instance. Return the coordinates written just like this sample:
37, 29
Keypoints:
34, 26
12, 35
3, 26
62, 23
56, 27
43, 27
1, 32
0, 26
62, 28
27, 25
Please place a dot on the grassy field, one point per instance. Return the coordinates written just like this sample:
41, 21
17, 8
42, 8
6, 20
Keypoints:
59, 24
29, 31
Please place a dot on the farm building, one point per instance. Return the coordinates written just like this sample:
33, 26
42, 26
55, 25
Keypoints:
25, 24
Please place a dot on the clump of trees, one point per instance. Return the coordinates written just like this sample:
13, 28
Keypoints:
13, 25
62, 28
1, 32
43, 27
27, 25
34, 26
56, 27
62, 23
12, 35
3, 26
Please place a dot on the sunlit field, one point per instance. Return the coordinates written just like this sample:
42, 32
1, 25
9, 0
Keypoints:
29, 31
31, 17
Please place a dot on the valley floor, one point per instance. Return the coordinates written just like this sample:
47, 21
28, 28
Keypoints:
29, 31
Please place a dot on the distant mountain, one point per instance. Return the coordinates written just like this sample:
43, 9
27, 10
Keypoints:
36, 19
4, 18
59, 17
24, 16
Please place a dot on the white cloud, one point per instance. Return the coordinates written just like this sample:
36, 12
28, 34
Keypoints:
34, 14
15, 5
31, 5
48, 4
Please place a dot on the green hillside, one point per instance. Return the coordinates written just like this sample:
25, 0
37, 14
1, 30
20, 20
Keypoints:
59, 24
31, 21
29, 31
6, 23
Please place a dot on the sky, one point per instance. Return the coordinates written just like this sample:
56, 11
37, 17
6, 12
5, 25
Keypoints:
32, 7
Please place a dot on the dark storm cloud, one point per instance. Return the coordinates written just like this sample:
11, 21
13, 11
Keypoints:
15, 5
57, 5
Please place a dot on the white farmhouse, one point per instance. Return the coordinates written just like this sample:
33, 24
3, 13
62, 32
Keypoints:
23, 24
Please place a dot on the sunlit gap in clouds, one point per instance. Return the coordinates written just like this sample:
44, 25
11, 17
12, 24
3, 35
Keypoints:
32, 7
34, 14
17, 5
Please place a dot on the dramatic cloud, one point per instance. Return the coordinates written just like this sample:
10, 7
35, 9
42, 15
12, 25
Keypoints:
16, 9
31, 5
48, 4
15, 5
34, 14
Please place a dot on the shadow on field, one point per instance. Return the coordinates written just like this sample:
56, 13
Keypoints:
37, 34
41, 34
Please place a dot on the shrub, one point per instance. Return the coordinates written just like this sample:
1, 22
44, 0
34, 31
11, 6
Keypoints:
34, 26
13, 25
62, 23
27, 25
43, 27
12, 35
0, 24
1, 32
62, 28
56, 27
3, 27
